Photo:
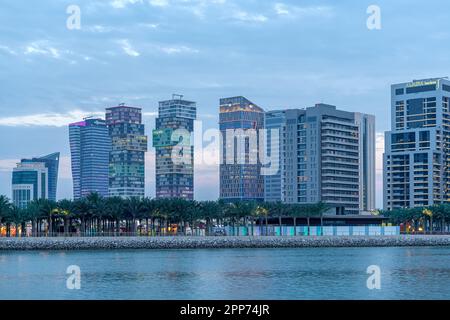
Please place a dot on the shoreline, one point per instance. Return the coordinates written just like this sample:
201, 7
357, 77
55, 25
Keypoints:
162, 243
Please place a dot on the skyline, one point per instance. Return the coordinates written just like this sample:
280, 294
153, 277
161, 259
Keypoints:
281, 49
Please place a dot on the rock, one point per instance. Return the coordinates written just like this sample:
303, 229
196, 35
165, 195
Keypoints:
217, 242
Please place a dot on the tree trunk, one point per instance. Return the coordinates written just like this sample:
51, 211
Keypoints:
321, 226
33, 228
431, 225
24, 230
295, 226
281, 225
267, 226
50, 227
65, 227
308, 225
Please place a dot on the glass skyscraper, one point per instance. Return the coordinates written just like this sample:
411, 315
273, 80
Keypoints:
127, 156
273, 183
173, 142
90, 145
240, 165
30, 181
417, 152
51, 162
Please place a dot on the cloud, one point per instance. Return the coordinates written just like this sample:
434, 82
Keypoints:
149, 25
100, 29
249, 17
159, 3
54, 119
120, 4
6, 165
8, 50
282, 9
48, 119
177, 49
128, 48
43, 48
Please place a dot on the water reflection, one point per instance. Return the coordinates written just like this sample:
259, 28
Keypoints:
321, 273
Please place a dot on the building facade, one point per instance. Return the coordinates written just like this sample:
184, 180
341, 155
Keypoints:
240, 167
90, 145
327, 155
273, 183
416, 160
30, 181
128, 148
51, 162
173, 141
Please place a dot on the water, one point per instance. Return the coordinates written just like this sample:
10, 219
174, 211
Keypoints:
335, 273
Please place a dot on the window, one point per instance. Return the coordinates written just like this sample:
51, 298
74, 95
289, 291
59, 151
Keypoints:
431, 87
399, 92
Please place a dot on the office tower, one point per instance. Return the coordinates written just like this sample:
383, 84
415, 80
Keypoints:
240, 166
416, 167
173, 142
51, 162
127, 156
30, 181
273, 182
90, 146
328, 155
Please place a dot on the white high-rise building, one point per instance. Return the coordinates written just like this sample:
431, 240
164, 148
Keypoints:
416, 160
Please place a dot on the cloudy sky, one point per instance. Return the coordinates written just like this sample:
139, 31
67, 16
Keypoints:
279, 54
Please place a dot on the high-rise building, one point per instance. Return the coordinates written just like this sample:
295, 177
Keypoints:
416, 160
240, 166
327, 155
30, 181
127, 156
90, 145
51, 162
173, 142
273, 182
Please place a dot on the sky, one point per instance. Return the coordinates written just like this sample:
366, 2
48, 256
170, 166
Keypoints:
279, 54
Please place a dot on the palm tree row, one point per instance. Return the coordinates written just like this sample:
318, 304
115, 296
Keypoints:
114, 216
433, 219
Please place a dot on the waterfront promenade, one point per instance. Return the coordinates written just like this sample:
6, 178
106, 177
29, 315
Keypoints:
110, 243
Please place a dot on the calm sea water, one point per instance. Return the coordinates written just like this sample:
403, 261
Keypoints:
406, 273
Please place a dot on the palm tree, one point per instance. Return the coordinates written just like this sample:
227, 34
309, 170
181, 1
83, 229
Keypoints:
15, 217
279, 210
46, 210
66, 209
5, 207
260, 212
428, 213
210, 210
114, 210
133, 207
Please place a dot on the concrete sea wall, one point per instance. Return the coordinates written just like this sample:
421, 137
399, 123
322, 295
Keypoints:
218, 242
